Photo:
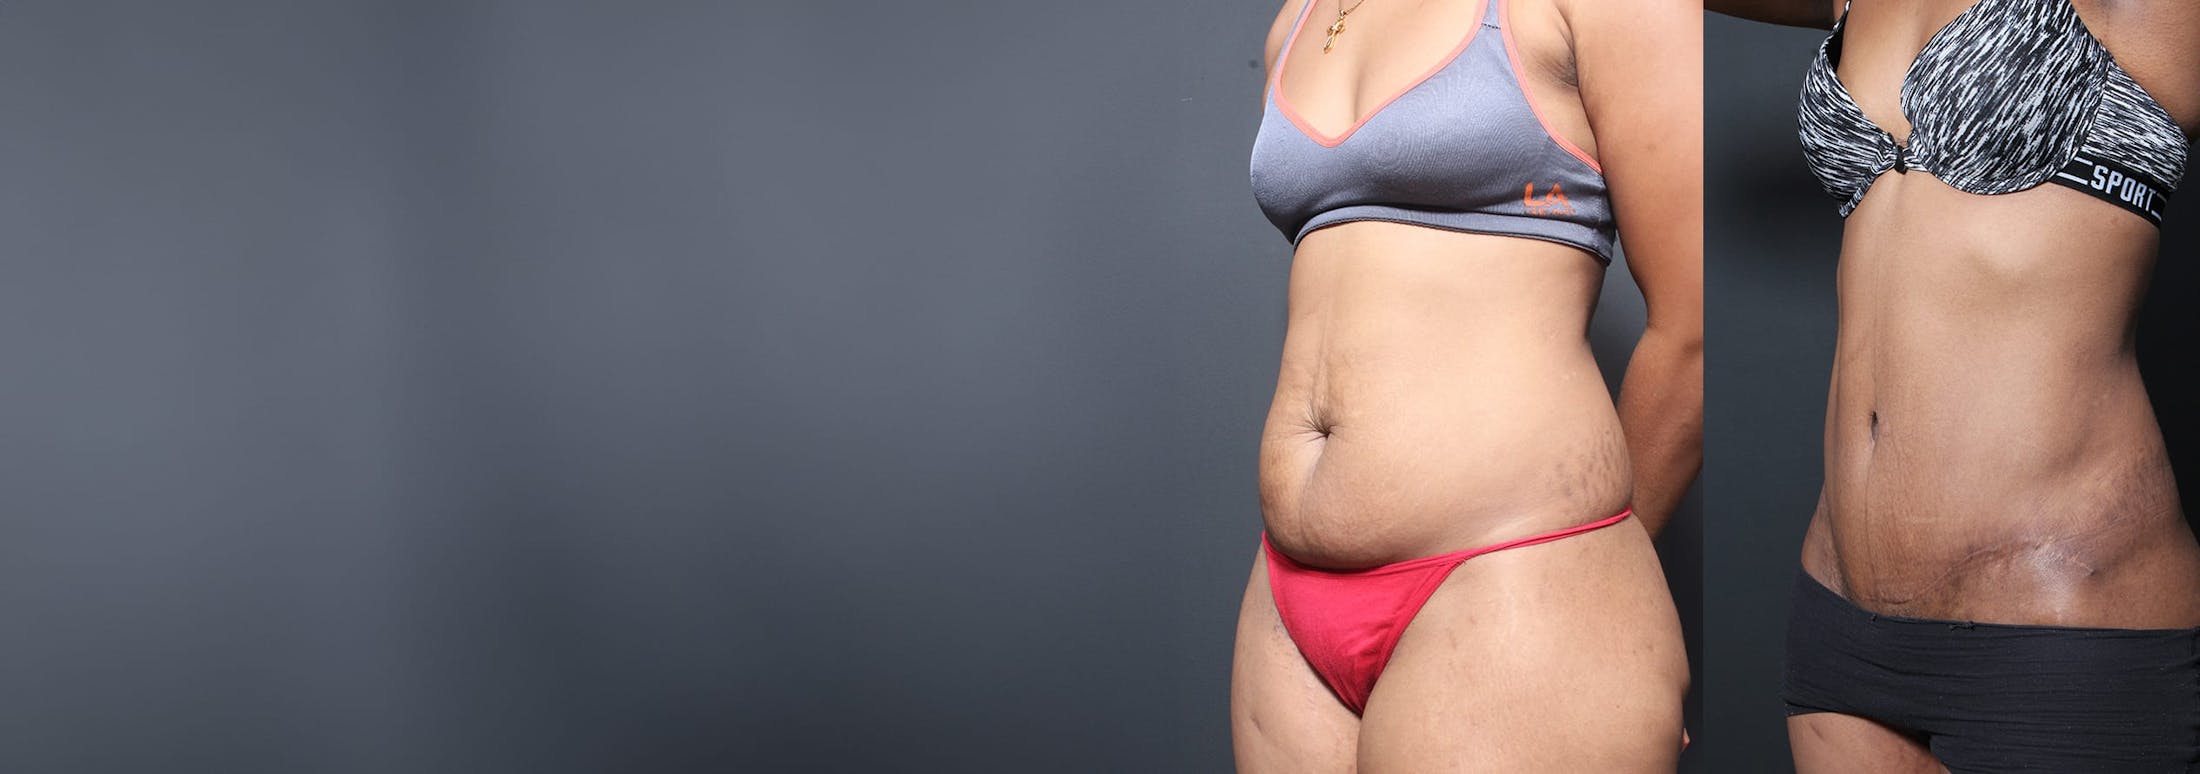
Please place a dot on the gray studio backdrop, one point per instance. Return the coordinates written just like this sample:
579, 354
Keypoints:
1771, 240
556, 386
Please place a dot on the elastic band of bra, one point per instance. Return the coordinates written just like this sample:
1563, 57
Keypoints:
2116, 184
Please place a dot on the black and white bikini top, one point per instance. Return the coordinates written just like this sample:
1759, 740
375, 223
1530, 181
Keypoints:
2009, 95
1461, 149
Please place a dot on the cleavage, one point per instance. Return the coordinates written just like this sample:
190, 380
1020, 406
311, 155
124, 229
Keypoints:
1385, 52
1875, 82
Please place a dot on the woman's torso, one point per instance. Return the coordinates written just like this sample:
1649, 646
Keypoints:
1437, 389
1990, 451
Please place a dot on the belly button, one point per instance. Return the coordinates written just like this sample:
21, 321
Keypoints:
1319, 429
1875, 426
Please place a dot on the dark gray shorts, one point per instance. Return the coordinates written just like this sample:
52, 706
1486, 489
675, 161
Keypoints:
2001, 697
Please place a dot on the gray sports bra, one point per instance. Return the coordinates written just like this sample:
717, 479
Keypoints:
1460, 149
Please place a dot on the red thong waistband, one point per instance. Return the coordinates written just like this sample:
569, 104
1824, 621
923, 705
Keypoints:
1454, 557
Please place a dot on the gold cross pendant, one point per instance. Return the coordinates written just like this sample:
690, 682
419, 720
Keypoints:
1334, 31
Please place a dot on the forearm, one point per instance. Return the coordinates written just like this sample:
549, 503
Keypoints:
1661, 409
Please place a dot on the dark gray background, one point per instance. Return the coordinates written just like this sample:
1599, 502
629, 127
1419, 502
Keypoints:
557, 386
1771, 240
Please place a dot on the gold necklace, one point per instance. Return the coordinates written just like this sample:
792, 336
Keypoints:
1338, 27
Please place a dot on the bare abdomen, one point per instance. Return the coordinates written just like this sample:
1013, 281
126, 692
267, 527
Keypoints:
1990, 450
1437, 392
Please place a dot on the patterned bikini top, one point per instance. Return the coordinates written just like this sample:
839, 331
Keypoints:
2009, 95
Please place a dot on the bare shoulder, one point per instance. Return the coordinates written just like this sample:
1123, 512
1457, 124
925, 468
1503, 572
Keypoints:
1793, 13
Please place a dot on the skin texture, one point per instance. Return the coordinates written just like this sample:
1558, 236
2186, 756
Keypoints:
1437, 392
1991, 454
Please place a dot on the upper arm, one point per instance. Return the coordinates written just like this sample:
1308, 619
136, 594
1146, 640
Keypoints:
1796, 13
1640, 66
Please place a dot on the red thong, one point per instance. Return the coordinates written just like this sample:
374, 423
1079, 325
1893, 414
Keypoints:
1347, 622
